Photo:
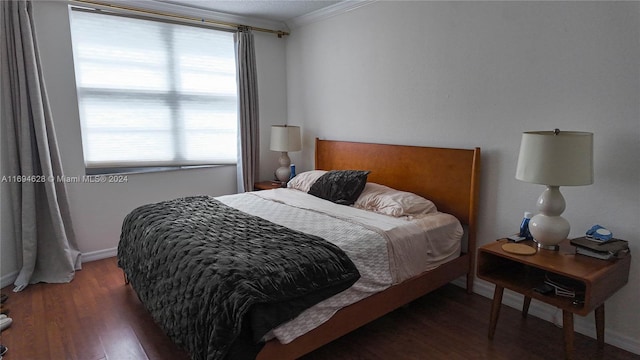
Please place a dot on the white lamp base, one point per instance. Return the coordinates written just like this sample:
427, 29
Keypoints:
548, 228
284, 171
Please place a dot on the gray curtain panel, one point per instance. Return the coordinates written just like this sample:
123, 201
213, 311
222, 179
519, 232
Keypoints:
47, 249
248, 114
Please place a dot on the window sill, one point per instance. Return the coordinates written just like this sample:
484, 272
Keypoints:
145, 170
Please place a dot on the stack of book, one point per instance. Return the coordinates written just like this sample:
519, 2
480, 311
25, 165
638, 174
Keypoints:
605, 250
564, 286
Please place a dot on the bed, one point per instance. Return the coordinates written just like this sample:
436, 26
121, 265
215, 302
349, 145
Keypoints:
448, 177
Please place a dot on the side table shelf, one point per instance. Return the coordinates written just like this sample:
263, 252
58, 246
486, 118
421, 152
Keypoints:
598, 279
266, 185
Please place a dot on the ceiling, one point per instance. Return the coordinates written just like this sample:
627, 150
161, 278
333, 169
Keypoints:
273, 10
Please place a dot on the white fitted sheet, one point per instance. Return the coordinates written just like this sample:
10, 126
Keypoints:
386, 250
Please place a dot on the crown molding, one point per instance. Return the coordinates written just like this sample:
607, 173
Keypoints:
328, 12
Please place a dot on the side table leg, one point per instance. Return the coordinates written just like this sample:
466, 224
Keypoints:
495, 310
567, 325
600, 325
525, 306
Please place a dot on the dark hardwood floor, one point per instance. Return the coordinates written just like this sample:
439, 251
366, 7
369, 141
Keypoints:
97, 316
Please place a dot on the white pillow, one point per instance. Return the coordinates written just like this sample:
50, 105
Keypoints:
304, 180
385, 200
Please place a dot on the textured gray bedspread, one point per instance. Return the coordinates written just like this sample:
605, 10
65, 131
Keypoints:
217, 279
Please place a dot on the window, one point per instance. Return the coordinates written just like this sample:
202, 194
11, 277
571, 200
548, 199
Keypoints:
152, 93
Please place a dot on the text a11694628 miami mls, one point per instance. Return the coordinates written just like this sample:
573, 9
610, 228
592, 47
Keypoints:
115, 178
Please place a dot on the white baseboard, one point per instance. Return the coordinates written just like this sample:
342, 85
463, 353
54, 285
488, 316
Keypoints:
10, 278
99, 255
553, 315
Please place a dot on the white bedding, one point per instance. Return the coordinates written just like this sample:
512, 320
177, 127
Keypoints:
386, 250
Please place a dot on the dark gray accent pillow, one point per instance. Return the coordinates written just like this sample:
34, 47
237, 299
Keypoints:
340, 186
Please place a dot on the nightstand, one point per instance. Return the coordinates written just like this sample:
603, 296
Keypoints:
599, 279
266, 185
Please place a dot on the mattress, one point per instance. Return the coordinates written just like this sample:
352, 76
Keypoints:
386, 250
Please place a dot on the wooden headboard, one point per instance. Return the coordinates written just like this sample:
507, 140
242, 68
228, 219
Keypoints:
448, 177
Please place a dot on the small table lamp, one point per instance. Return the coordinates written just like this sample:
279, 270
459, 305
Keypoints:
554, 158
285, 138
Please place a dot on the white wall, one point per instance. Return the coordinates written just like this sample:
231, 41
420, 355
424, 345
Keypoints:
98, 209
466, 74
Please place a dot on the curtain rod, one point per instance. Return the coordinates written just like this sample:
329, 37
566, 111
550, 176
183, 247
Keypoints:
175, 16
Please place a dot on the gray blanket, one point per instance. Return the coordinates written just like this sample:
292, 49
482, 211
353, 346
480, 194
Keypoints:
217, 280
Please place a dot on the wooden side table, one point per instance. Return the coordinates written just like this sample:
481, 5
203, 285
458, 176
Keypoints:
266, 185
599, 279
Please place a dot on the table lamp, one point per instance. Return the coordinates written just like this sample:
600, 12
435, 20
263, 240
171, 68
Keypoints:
554, 158
285, 138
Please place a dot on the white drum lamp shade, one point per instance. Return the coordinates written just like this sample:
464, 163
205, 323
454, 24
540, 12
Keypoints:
554, 158
285, 138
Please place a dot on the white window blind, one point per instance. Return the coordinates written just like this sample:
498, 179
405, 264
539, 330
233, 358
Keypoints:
153, 93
